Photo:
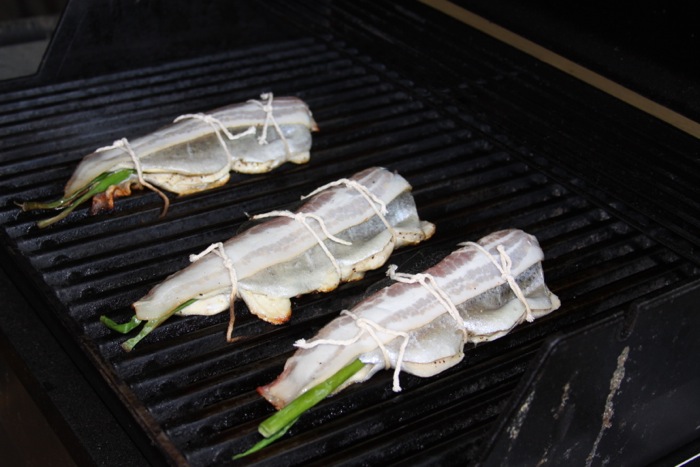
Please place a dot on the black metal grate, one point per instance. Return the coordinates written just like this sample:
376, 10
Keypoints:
194, 395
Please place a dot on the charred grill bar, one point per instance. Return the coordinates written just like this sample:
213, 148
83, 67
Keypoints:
489, 139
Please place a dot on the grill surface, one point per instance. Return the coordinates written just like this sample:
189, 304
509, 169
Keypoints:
457, 138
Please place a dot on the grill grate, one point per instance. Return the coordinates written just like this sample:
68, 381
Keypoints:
193, 394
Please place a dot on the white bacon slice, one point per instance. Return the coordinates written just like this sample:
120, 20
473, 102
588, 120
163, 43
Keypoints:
474, 280
336, 236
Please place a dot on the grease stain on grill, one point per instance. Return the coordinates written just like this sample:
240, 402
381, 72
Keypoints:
608, 411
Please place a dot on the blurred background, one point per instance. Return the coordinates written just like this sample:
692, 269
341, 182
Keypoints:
25, 29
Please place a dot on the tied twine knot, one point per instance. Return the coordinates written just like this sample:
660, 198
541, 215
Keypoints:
373, 200
124, 145
367, 327
269, 119
429, 282
219, 250
504, 267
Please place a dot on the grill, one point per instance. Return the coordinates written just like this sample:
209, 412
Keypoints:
487, 137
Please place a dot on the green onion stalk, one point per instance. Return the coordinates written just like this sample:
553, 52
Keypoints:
68, 203
278, 424
147, 328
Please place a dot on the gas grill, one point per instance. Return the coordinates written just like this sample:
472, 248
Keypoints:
488, 137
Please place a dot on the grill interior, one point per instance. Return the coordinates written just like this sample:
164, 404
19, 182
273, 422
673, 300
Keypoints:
456, 137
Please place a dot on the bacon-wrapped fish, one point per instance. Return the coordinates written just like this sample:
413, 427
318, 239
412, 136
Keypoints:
342, 230
421, 323
196, 152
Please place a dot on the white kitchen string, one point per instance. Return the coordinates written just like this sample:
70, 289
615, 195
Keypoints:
124, 145
219, 128
430, 284
377, 204
369, 327
269, 118
303, 217
505, 269
219, 250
